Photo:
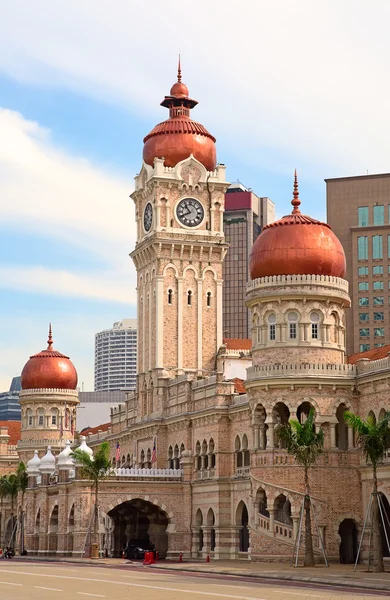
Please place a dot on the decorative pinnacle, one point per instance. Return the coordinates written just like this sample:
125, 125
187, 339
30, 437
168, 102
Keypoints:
295, 201
179, 71
50, 339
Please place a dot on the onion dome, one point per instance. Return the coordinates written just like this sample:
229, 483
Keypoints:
297, 245
179, 136
33, 465
64, 459
48, 463
49, 369
84, 448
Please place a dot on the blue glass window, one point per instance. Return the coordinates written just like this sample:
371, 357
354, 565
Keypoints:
377, 247
363, 216
362, 247
379, 215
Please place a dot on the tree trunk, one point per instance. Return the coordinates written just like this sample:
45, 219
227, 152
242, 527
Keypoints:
96, 516
309, 554
378, 565
1, 522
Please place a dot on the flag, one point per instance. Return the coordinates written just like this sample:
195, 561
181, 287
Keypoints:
154, 453
118, 452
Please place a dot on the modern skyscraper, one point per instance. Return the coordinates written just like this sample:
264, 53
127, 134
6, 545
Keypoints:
116, 357
358, 211
245, 215
9, 402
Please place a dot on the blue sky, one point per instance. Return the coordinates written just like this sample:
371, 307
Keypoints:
281, 85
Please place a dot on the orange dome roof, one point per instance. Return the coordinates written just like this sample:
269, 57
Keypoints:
179, 136
49, 369
297, 245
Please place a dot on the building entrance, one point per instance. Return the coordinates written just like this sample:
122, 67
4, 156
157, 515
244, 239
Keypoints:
139, 520
349, 541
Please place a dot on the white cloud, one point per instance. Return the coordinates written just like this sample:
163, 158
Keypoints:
105, 286
283, 83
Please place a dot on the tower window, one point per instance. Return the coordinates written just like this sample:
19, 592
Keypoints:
272, 327
189, 297
54, 419
30, 420
170, 294
40, 419
292, 325
208, 299
315, 319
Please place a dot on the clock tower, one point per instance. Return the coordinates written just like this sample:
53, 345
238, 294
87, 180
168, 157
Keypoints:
180, 248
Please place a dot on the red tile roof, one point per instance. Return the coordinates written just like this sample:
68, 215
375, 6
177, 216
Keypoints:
13, 430
239, 385
88, 430
237, 344
373, 354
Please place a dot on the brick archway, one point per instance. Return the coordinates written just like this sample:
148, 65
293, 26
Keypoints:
138, 517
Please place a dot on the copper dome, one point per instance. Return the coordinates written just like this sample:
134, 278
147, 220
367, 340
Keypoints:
49, 369
297, 245
179, 136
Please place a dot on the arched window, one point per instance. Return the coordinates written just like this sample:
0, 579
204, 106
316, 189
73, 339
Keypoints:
292, 325
41, 417
189, 297
315, 331
170, 296
29, 415
208, 299
54, 416
142, 459
272, 327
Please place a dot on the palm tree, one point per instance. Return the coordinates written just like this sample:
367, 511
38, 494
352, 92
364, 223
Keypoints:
13, 489
373, 440
22, 477
305, 445
3, 495
95, 468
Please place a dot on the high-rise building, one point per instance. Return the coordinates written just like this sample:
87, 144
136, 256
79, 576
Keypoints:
245, 215
358, 211
116, 357
9, 402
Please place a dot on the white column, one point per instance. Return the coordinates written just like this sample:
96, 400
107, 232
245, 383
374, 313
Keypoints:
200, 315
159, 322
332, 435
158, 217
149, 308
350, 438
219, 314
180, 301
212, 217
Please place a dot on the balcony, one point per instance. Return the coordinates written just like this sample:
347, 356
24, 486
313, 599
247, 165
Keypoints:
134, 473
205, 474
242, 472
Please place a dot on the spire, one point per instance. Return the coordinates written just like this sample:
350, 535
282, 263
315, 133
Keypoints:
295, 201
179, 71
50, 339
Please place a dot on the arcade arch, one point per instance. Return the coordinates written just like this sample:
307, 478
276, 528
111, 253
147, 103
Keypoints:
142, 520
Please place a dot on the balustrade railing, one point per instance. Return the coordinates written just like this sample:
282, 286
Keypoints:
242, 471
205, 474
149, 473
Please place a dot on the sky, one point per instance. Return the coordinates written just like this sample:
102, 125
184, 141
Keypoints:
282, 85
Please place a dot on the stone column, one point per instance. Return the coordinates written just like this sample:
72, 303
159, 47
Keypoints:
271, 437
350, 438
180, 301
206, 541
295, 520
271, 520
332, 436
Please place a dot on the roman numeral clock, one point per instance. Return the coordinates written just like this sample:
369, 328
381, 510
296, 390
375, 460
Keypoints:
190, 212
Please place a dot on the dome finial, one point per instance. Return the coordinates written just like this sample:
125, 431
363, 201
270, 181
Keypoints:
295, 201
179, 71
50, 339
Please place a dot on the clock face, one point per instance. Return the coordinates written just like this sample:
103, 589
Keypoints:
190, 212
148, 216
